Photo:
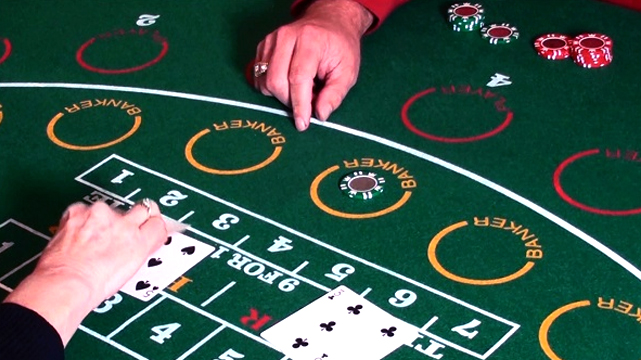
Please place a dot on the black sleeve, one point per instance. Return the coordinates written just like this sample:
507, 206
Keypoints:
25, 335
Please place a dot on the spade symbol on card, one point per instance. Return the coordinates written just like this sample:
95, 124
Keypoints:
300, 343
189, 250
355, 309
141, 285
154, 262
389, 332
328, 326
168, 240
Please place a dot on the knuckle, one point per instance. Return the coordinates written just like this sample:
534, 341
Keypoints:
308, 31
297, 77
275, 83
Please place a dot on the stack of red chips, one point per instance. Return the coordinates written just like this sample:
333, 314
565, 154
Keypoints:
592, 50
553, 46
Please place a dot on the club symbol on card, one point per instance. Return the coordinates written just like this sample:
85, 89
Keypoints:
389, 332
355, 309
142, 285
189, 250
168, 241
328, 326
154, 262
300, 343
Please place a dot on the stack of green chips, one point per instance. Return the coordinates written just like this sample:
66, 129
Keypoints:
466, 16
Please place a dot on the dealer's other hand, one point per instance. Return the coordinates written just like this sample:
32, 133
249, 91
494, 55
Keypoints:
94, 252
324, 43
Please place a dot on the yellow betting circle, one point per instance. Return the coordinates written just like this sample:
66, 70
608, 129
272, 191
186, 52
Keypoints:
57, 141
313, 192
0, 113
547, 323
190, 157
431, 255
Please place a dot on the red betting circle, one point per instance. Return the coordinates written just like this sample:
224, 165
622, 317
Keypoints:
7, 50
559, 189
414, 129
84, 64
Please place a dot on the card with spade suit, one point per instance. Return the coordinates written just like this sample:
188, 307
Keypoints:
340, 325
177, 255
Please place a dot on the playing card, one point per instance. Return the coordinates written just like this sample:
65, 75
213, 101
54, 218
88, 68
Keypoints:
375, 335
340, 325
179, 254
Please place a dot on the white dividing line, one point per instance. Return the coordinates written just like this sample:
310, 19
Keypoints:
434, 160
133, 193
302, 235
91, 169
366, 291
201, 342
118, 346
499, 343
429, 323
217, 319
186, 216
20, 266
26, 228
220, 292
300, 267
451, 344
135, 317
239, 242
5, 288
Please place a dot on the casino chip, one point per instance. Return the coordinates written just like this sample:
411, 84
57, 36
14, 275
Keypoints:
361, 185
466, 16
499, 33
553, 46
592, 50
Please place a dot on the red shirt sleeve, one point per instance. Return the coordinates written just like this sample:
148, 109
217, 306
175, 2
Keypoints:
379, 8
632, 4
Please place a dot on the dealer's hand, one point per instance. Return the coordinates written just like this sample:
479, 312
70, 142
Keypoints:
325, 44
95, 251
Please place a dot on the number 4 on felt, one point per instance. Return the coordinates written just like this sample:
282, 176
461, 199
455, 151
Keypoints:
281, 244
163, 332
5, 246
499, 80
231, 354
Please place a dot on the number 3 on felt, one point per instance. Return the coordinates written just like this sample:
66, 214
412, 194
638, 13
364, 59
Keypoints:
163, 332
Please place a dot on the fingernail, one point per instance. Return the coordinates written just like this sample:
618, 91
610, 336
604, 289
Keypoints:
324, 112
301, 125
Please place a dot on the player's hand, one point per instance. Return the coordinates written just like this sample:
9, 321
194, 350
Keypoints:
94, 252
325, 44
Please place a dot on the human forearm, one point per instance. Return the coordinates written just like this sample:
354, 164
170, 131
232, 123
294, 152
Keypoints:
62, 299
379, 9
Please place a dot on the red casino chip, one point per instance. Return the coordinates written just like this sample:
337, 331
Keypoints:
553, 46
592, 50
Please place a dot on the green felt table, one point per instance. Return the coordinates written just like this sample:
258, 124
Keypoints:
509, 224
